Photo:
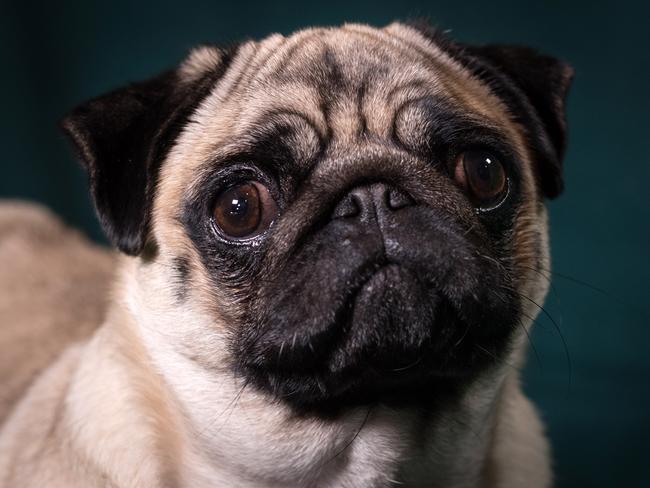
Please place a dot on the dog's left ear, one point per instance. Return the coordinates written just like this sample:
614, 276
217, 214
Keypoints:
535, 88
123, 137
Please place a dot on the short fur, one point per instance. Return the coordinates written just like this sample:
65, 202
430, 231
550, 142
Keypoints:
373, 336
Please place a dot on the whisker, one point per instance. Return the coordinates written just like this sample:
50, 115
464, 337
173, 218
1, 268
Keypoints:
551, 286
532, 346
496, 262
469, 324
559, 331
621, 302
577, 281
495, 357
409, 366
469, 230
529, 338
229, 409
356, 435
499, 296
467, 427
538, 324
280, 352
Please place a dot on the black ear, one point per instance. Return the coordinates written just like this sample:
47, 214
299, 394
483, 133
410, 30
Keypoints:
543, 83
534, 88
123, 137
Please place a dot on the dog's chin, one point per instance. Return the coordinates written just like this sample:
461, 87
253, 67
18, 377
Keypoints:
395, 339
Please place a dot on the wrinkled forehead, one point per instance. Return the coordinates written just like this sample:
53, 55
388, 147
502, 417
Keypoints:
341, 82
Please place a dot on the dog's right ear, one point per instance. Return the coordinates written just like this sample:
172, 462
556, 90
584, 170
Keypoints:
123, 137
543, 81
532, 85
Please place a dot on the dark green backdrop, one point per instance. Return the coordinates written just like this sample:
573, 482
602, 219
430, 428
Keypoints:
56, 55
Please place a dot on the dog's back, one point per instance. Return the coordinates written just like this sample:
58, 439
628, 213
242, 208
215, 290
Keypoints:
53, 292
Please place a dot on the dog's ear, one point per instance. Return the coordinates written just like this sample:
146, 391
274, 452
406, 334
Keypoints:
544, 82
534, 88
123, 137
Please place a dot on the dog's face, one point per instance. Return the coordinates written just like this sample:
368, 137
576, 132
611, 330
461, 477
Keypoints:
357, 212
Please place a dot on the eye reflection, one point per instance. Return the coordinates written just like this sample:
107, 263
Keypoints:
482, 175
245, 210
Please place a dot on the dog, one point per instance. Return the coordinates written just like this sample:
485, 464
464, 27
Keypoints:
333, 246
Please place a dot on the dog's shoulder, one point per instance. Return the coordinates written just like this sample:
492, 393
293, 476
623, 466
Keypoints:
54, 285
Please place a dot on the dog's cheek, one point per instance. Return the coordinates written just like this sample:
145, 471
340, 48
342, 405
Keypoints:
533, 254
531, 259
198, 275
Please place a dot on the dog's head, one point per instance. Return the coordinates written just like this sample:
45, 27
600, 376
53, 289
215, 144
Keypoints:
349, 213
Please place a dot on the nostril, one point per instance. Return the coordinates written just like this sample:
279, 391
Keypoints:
371, 199
348, 207
397, 199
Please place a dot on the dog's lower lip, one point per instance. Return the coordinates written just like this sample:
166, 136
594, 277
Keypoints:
404, 368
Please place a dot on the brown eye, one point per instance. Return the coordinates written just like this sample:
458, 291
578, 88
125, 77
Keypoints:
482, 175
245, 210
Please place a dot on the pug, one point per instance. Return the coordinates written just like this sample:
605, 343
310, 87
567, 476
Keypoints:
333, 247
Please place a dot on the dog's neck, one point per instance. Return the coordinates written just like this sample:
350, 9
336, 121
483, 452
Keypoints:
204, 427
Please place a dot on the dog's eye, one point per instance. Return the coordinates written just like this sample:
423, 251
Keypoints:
245, 210
483, 176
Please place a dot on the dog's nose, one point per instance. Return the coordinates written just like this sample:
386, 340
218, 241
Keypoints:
374, 199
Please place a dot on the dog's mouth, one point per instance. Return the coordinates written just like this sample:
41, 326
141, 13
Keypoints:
377, 321
357, 314
393, 335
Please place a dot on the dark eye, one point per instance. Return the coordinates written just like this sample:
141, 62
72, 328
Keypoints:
483, 176
245, 210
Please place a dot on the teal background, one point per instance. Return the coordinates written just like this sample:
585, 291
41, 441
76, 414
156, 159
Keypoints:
54, 55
